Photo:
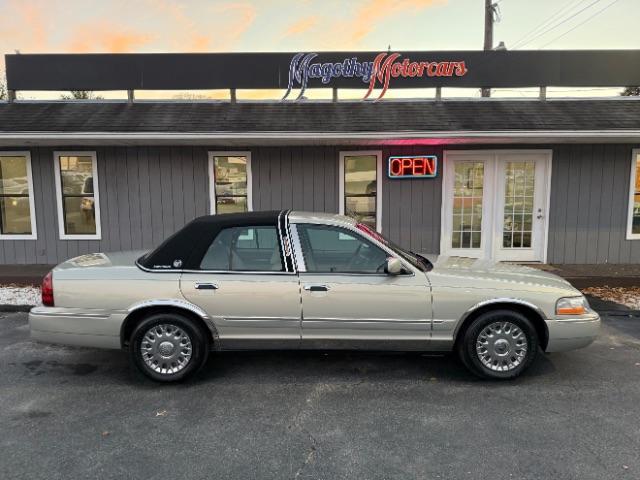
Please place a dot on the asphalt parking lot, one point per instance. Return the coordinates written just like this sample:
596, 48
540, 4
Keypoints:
83, 413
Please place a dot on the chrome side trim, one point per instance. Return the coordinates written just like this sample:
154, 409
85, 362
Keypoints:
422, 322
169, 302
297, 248
177, 303
492, 301
283, 252
225, 272
253, 318
237, 272
152, 270
74, 314
359, 274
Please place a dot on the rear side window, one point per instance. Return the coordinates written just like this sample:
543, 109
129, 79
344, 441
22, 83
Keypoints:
240, 249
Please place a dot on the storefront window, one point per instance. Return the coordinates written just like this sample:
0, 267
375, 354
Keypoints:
77, 195
467, 205
633, 230
360, 183
15, 196
231, 182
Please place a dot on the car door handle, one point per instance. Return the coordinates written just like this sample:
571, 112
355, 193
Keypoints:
316, 288
206, 286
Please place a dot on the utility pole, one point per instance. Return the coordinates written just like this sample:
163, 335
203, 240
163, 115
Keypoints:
488, 35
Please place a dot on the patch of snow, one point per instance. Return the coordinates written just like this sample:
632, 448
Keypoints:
16, 295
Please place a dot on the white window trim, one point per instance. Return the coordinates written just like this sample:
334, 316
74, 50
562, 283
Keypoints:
32, 210
212, 178
632, 183
96, 195
356, 153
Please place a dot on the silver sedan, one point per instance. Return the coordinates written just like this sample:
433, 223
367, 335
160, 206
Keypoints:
293, 280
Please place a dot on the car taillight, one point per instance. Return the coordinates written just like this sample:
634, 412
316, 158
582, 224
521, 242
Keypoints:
47, 290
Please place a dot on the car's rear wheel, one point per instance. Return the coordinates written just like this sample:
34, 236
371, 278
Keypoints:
168, 347
499, 344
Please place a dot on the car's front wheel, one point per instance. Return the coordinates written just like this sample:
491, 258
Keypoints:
499, 344
168, 347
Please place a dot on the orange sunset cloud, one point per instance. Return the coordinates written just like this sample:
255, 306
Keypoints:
301, 26
105, 36
372, 12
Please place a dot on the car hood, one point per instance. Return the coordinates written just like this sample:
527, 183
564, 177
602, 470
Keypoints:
488, 272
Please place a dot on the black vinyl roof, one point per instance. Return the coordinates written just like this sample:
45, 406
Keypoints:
188, 245
330, 117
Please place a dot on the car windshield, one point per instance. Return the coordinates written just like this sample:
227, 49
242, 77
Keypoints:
413, 258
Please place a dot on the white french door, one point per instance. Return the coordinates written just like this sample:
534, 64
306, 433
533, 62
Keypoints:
495, 204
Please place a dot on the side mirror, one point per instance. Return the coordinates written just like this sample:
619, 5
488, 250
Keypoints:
393, 266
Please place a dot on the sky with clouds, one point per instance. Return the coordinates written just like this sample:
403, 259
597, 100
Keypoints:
48, 26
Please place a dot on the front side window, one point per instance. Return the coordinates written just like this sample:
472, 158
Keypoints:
360, 187
76, 186
255, 249
16, 197
633, 224
231, 186
336, 250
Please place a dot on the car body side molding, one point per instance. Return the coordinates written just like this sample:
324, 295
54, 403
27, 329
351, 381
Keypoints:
492, 301
181, 304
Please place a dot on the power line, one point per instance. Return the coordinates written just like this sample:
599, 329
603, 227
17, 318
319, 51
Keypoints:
553, 27
568, 6
580, 24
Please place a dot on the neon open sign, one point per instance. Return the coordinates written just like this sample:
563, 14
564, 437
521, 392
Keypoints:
413, 166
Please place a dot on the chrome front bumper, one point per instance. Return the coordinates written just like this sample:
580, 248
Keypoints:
74, 327
571, 333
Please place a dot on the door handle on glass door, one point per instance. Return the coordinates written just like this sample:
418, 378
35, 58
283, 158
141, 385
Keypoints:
206, 286
539, 216
316, 288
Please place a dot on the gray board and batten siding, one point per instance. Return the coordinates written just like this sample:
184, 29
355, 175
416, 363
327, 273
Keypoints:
147, 193
589, 201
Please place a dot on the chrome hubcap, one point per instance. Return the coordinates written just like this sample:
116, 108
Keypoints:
501, 346
166, 349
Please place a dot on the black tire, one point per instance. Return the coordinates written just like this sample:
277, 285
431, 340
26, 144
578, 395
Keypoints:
186, 333
472, 358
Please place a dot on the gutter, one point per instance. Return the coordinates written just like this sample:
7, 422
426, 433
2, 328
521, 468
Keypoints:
283, 138
283, 135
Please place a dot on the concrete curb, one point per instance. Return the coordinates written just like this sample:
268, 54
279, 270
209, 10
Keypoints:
620, 313
15, 308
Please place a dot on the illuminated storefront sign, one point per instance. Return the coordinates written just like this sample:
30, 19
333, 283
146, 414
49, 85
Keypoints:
384, 67
413, 166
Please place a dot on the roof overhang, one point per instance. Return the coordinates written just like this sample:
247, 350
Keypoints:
15, 139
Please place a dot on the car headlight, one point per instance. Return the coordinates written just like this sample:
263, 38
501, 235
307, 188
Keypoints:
572, 306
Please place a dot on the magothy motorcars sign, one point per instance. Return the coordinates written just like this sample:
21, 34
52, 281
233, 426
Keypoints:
376, 73
373, 72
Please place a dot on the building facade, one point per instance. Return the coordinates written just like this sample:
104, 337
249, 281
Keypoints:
555, 181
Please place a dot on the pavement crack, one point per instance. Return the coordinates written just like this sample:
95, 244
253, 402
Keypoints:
311, 455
